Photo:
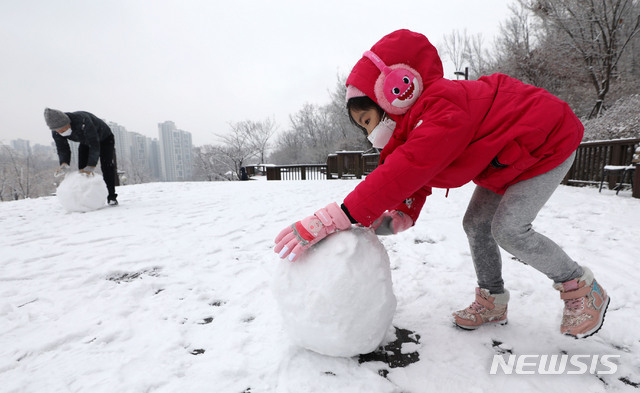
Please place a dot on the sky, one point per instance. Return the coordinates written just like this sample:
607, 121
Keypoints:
202, 64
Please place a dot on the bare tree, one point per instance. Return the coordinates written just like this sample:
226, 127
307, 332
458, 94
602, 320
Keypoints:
318, 130
479, 58
259, 134
6, 178
622, 120
456, 48
237, 147
246, 140
312, 124
290, 149
516, 48
24, 175
208, 163
137, 170
599, 31
346, 136
19, 172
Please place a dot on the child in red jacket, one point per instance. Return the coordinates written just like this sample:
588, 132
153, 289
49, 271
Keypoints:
515, 141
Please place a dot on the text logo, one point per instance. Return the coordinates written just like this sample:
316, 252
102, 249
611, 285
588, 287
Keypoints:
553, 364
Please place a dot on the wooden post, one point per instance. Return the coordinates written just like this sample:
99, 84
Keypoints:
616, 157
636, 182
271, 173
332, 163
358, 166
340, 166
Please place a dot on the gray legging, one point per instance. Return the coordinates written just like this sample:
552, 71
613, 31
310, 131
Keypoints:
494, 220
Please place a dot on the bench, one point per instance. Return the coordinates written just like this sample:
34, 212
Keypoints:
621, 172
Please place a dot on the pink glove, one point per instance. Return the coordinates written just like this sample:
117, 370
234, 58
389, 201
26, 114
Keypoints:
295, 240
391, 223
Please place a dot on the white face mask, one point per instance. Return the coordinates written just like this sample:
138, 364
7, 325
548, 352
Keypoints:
67, 132
381, 134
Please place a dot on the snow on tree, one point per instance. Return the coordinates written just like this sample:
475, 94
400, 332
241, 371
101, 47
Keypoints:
621, 121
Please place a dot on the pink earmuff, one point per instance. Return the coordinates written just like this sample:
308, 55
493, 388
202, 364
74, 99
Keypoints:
397, 87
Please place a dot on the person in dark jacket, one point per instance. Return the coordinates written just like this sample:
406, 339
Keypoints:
96, 142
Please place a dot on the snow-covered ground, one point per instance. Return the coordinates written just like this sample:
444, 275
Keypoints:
170, 292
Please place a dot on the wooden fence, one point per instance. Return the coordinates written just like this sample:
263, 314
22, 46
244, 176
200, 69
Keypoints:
297, 172
591, 158
370, 162
345, 164
340, 165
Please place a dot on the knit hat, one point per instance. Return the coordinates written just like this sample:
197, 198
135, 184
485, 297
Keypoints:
55, 119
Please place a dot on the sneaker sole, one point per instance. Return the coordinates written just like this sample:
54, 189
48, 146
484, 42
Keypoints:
595, 328
492, 323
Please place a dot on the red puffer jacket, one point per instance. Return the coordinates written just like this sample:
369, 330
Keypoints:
495, 131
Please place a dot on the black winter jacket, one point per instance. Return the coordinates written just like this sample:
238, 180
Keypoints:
86, 129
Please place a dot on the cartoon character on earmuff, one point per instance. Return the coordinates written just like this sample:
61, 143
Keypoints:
397, 87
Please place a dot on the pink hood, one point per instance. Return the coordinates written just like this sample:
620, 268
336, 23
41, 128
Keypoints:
404, 50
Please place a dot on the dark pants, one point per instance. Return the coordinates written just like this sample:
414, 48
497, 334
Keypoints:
107, 164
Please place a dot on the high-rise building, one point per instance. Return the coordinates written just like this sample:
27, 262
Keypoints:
136, 155
122, 143
140, 159
154, 159
22, 147
175, 152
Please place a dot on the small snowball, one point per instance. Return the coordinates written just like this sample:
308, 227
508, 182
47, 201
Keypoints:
337, 299
80, 193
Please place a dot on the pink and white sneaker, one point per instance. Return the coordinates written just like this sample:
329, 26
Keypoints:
486, 309
585, 304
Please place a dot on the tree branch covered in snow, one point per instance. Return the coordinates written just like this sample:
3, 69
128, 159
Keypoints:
621, 121
315, 131
25, 175
585, 52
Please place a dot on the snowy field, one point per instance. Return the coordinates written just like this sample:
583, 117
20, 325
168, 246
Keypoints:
170, 292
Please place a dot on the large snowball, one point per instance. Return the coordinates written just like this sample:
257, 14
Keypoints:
80, 193
337, 298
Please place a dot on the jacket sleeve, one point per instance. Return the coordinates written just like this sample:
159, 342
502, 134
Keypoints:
413, 205
92, 140
62, 146
440, 135
410, 206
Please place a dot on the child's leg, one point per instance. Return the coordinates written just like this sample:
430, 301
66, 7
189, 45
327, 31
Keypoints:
484, 249
511, 226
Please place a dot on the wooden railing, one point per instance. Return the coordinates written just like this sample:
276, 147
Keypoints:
340, 165
370, 162
345, 164
591, 157
297, 172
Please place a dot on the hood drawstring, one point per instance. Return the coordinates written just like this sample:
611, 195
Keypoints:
447, 194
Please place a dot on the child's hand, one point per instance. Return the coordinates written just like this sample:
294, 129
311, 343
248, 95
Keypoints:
391, 223
297, 238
